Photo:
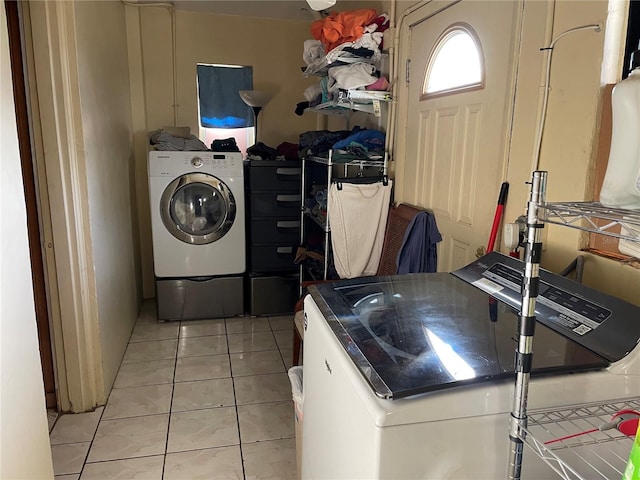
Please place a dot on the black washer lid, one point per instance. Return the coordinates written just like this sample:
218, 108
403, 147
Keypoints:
602, 323
417, 333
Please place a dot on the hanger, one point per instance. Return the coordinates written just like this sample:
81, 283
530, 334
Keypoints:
361, 180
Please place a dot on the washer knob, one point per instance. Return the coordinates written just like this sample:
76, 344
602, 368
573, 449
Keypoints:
196, 162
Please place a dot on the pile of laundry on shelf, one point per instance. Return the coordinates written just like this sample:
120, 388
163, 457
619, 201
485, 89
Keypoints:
346, 145
345, 51
284, 151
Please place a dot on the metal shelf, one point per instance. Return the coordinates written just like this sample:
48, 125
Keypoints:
594, 217
367, 101
330, 108
357, 163
597, 455
304, 212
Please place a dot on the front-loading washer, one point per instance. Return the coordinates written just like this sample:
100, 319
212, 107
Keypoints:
198, 230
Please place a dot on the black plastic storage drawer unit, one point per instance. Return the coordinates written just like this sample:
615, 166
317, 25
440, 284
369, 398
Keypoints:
273, 225
275, 205
275, 176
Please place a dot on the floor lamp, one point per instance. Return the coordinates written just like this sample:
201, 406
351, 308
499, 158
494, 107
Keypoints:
256, 100
319, 5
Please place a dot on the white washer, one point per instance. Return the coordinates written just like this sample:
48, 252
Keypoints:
411, 376
197, 213
198, 229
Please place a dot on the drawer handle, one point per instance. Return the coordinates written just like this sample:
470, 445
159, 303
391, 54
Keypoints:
288, 224
284, 250
288, 171
288, 198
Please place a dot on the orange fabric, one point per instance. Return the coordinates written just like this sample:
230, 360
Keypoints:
338, 28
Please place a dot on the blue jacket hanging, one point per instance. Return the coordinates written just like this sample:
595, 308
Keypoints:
418, 252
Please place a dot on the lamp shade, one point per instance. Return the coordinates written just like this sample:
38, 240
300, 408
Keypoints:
255, 98
319, 5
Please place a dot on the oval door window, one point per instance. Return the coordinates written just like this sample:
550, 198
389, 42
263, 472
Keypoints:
198, 208
456, 63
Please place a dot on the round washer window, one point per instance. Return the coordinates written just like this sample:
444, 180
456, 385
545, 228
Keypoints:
197, 208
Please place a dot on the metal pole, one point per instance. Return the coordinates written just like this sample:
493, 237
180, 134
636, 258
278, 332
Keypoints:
302, 219
527, 323
327, 226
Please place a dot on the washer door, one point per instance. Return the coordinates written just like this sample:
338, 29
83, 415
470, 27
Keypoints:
197, 208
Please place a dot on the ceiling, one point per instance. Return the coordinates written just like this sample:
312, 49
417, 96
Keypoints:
283, 9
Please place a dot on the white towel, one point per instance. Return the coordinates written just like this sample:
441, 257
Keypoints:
358, 217
353, 76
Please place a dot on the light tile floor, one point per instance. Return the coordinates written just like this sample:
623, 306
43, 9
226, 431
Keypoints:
206, 399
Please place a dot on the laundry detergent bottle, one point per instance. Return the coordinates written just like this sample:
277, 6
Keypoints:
632, 472
621, 186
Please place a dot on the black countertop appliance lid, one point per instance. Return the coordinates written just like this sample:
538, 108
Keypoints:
417, 333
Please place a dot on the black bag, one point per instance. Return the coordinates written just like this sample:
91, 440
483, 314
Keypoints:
225, 145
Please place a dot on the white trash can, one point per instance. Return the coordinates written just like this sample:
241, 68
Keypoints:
295, 377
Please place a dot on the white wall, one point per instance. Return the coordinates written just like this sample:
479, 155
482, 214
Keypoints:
571, 132
107, 132
24, 440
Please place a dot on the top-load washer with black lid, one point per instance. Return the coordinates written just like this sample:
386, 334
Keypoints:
411, 376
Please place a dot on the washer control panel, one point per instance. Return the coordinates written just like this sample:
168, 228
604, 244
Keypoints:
210, 162
604, 324
171, 164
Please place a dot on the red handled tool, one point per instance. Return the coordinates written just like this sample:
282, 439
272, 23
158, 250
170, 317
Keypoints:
502, 199
497, 218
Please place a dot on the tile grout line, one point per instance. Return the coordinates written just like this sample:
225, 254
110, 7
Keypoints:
172, 398
173, 389
107, 401
235, 404
104, 408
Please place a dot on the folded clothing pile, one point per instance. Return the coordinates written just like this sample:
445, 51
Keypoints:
176, 139
350, 44
284, 151
347, 145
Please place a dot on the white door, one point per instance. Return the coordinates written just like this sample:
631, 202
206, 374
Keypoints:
456, 142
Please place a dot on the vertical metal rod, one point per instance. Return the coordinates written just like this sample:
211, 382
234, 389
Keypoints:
327, 227
302, 214
527, 323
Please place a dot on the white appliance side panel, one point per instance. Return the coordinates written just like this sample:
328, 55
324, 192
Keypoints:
339, 438
174, 258
474, 447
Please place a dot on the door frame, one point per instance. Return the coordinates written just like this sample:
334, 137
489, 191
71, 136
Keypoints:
57, 135
33, 207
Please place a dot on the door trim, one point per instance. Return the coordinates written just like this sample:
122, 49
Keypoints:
76, 335
32, 205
